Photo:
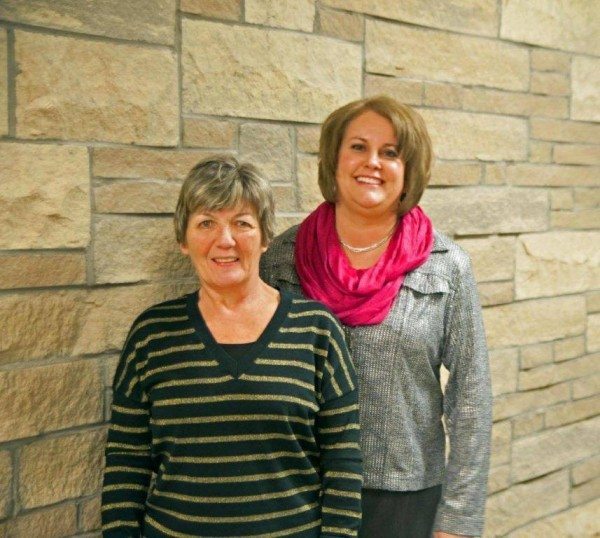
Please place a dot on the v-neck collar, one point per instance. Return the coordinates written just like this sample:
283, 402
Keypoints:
234, 367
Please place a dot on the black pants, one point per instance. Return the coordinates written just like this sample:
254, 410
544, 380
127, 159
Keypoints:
399, 514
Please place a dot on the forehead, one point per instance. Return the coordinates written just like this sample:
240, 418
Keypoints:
242, 208
370, 123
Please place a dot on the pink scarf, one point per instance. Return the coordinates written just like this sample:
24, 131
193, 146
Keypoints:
358, 296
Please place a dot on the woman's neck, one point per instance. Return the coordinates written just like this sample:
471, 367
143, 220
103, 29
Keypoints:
362, 230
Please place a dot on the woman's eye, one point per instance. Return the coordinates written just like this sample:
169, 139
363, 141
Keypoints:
244, 224
205, 224
357, 147
391, 153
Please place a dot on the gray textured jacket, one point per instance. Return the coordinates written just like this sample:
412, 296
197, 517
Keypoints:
435, 319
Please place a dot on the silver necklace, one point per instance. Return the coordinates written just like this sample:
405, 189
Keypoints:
358, 250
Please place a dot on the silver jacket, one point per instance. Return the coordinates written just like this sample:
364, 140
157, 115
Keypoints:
435, 320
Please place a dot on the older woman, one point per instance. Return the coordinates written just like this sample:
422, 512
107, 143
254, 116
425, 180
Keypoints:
238, 398
408, 302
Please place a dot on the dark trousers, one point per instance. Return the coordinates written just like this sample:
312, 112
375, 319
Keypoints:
399, 514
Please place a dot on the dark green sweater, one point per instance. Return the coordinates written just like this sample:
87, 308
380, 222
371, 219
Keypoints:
262, 446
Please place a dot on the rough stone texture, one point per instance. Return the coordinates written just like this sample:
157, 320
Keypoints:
504, 368
33, 270
5, 483
556, 25
569, 348
550, 83
587, 198
72, 396
476, 136
501, 437
269, 147
3, 83
534, 321
554, 449
540, 152
556, 373
585, 99
565, 130
523, 502
216, 9
593, 301
406, 91
493, 258
443, 95
578, 521
557, 263
573, 412
137, 197
209, 133
593, 332
527, 424
90, 514
44, 196
587, 386
576, 154
535, 355
586, 492
561, 199
348, 26
552, 175
494, 293
511, 405
81, 89
516, 104
452, 173
495, 174
472, 16
147, 250
285, 198
293, 14
586, 219
550, 60
307, 138
144, 20
586, 470
283, 223
308, 186
392, 49
55, 522
498, 479
61, 468
275, 75
486, 210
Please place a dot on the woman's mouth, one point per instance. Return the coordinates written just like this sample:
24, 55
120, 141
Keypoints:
368, 180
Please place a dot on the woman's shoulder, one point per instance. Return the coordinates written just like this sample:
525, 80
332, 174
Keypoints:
447, 259
309, 310
163, 312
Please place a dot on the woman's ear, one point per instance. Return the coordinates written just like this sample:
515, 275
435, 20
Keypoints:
184, 249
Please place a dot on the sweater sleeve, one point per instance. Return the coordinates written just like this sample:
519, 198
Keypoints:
468, 412
338, 436
128, 459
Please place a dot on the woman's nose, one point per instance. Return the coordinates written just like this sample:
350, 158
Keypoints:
374, 160
225, 238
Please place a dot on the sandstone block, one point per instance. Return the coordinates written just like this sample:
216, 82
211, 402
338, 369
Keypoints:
282, 223
471, 16
72, 396
136, 197
443, 95
55, 522
5, 483
585, 219
586, 470
550, 83
3, 83
93, 90
534, 321
501, 437
499, 478
554, 449
558, 372
310, 194
152, 21
564, 130
409, 92
494, 293
535, 355
476, 136
587, 198
486, 210
511, 405
576, 154
586, 386
523, 503
44, 196
269, 147
593, 301
62, 468
593, 332
551, 175
452, 173
285, 198
540, 152
275, 75
561, 199
563, 25
348, 26
493, 258
527, 424
572, 412
585, 100
295, 14
32, 270
216, 9
495, 174
307, 138
550, 60
209, 133
569, 348
513, 103
90, 514
393, 49
586, 492
504, 369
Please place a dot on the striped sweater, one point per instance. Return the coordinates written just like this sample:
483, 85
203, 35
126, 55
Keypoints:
262, 446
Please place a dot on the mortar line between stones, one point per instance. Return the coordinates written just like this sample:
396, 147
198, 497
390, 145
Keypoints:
89, 258
178, 52
11, 73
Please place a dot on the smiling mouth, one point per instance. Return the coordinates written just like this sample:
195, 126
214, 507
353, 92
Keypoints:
368, 180
225, 260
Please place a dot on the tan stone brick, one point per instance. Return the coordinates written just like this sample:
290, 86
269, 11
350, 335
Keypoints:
3, 82
310, 194
348, 26
282, 223
550, 83
535, 355
557, 263
452, 173
275, 75
72, 396
550, 60
584, 219
578, 521
540, 152
85, 89
576, 154
572, 412
495, 174
527, 424
534, 321
587, 198
523, 503
471, 16
499, 478
569, 348
561, 199
90, 514
216, 9
558, 372
586, 470
56, 469
593, 301
209, 133
486, 210
586, 492
493, 258
564, 130
513, 103
501, 437
285, 198
32, 270
110, 367
494, 293
593, 332
586, 386
504, 369
585, 100
44, 196
307, 138
511, 405
554, 449
136, 196
5, 483
293, 14
409, 92
54, 522
551, 175
476, 136
269, 147
443, 95
147, 250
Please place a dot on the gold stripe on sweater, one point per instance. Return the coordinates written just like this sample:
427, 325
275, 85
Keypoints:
126, 469
232, 438
278, 379
124, 485
340, 512
230, 418
343, 474
339, 410
342, 493
245, 457
238, 478
114, 506
176, 349
284, 362
338, 429
340, 530
296, 315
236, 397
178, 366
308, 329
120, 523
128, 429
193, 381
129, 410
331, 372
309, 347
342, 360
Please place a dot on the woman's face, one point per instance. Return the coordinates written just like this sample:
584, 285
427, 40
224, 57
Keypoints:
370, 173
224, 246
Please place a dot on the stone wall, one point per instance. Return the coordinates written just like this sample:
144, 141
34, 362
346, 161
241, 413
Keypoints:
102, 112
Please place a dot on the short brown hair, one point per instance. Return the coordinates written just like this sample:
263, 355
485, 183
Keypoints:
414, 146
220, 182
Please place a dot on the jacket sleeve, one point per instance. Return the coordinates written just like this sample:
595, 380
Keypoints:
128, 458
467, 410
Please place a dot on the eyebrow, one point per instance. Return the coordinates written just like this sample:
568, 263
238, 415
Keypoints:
366, 140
